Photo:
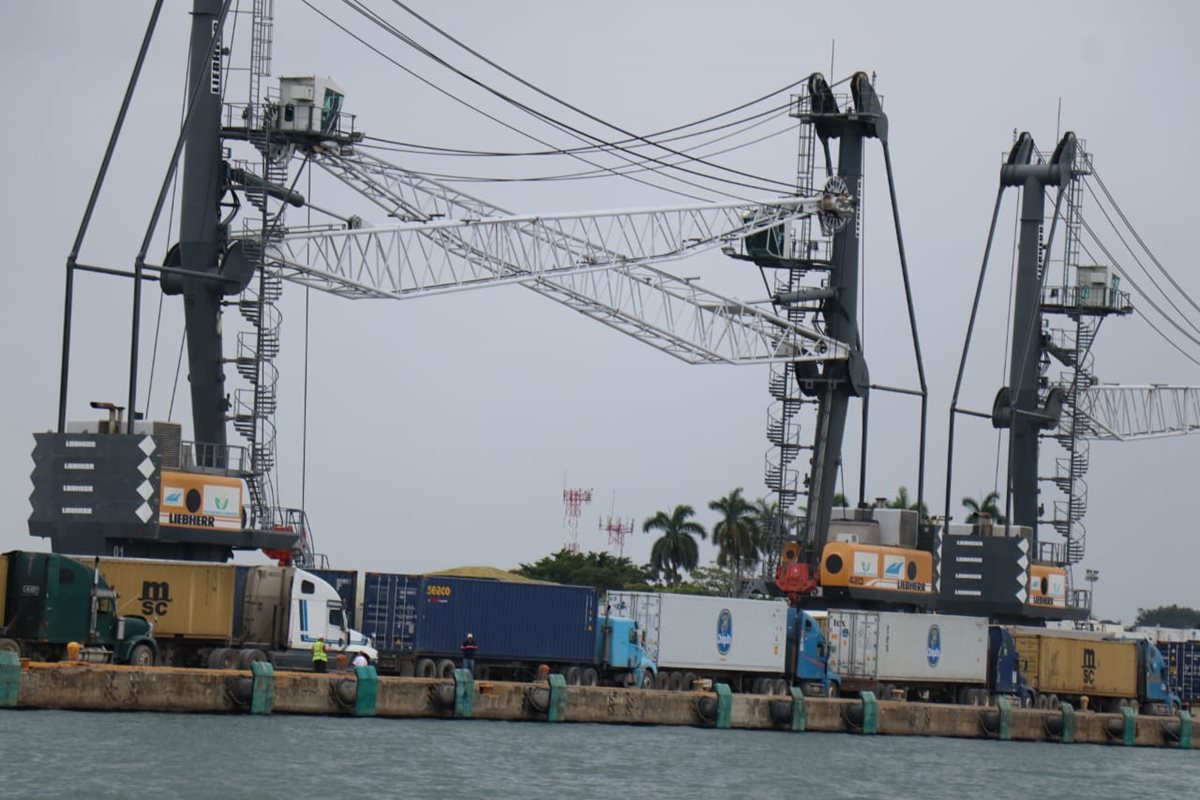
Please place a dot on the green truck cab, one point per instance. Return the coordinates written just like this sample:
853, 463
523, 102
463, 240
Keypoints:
48, 600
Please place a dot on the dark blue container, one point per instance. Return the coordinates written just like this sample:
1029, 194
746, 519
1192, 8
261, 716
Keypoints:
390, 611
529, 622
345, 583
1183, 669
526, 622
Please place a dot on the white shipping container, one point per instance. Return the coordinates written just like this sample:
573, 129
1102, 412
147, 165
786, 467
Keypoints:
908, 648
718, 634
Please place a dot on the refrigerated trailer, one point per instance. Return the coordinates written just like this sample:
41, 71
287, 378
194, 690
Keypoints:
904, 655
758, 646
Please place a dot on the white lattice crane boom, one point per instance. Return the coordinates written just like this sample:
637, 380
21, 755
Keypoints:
599, 264
1123, 413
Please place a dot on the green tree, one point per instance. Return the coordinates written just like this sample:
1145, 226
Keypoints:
736, 534
840, 500
985, 510
602, 570
714, 581
902, 500
676, 548
1172, 616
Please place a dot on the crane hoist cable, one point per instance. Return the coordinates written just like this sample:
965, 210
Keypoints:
422, 149
579, 133
485, 114
591, 174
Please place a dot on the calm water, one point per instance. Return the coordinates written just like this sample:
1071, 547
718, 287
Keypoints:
63, 753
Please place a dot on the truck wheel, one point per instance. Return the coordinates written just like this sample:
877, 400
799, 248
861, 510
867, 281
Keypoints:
142, 655
445, 668
782, 687
573, 675
223, 658
647, 680
10, 646
1052, 702
248, 657
675, 681
407, 670
426, 668
591, 677
832, 690
689, 681
662, 681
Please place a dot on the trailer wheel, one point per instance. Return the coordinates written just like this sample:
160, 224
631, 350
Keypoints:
782, 687
249, 657
223, 658
573, 675
1052, 702
689, 681
662, 681
675, 681
142, 655
445, 668
10, 646
758, 686
425, 668
591, 677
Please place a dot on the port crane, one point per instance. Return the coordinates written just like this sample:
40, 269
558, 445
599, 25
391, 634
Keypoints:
166, 497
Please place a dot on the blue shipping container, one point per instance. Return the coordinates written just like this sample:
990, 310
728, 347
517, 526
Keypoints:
1183, 669
345, 583
525, 622
390, 611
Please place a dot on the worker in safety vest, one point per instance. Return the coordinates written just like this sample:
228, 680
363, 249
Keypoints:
319, 657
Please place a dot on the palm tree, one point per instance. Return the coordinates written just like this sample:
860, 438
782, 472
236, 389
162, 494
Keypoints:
902, 500
840, 500
985, 510
676, 549
736, 534
770, 520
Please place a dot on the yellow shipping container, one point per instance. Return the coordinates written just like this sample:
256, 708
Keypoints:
3, 585
181, 598
1072, 665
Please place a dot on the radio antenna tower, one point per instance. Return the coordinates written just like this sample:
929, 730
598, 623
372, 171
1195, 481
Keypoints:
573, 502
617, 529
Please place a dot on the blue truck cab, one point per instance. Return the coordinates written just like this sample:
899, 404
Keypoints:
1155, 680
1005, 678
619, 648
808, 656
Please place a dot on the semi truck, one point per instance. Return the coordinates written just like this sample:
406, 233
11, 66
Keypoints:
48, 601
227, 616
754, 646
1113, 673
418, 622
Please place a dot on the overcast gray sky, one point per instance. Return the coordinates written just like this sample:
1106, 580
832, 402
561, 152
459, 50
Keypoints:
441, 430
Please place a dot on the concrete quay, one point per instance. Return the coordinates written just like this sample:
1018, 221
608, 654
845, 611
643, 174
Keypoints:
89, 687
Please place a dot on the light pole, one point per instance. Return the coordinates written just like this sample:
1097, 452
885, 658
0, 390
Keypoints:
1091, 576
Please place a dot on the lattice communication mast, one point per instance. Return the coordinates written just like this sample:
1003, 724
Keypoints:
573, 502
618, 529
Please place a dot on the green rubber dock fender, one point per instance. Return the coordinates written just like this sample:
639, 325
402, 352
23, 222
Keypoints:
1129, 732
870, 711
262, 693
1068, 723
367, 691
1185, 729
1004, 733
556, 710
464, 693
799, 710
10, 679
724, 705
